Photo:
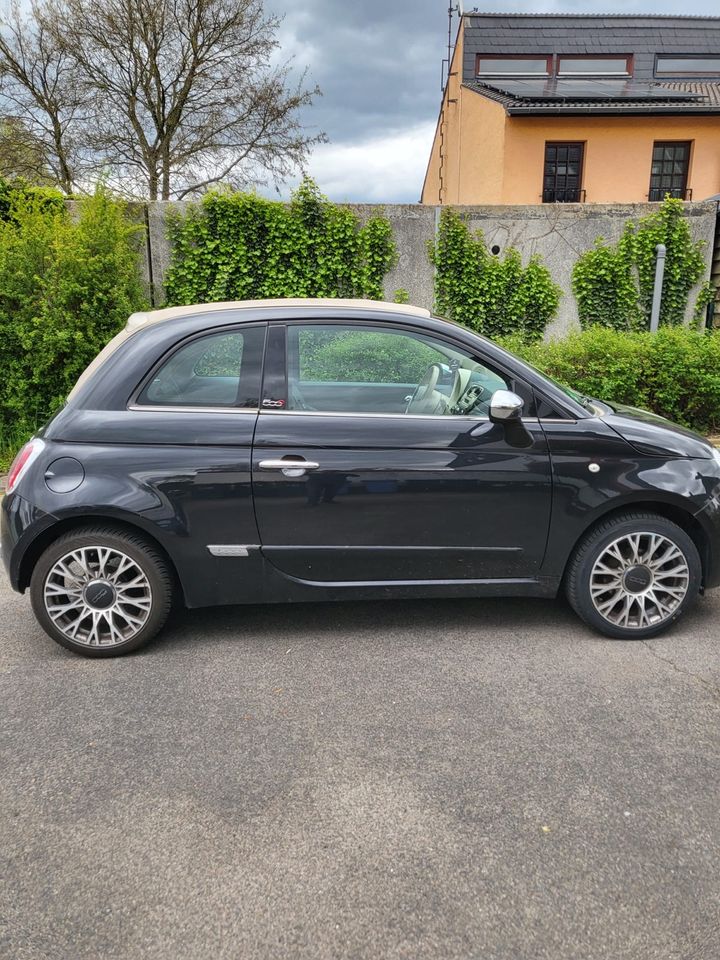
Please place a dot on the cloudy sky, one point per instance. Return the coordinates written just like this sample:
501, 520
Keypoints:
378, 65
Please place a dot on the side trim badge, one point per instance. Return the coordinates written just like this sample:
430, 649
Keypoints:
232, 549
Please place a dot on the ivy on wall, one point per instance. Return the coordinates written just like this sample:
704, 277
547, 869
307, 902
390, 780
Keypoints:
495, 296
238, 246
613, 283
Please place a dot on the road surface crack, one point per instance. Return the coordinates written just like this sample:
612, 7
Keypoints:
709, 684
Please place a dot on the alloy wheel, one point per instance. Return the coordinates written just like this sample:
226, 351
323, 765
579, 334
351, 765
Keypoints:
98, 596
639, 580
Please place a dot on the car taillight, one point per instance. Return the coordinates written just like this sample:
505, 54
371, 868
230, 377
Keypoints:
21, 463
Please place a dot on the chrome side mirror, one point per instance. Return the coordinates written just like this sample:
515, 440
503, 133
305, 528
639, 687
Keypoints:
505, 406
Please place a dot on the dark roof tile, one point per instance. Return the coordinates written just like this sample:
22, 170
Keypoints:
589, 33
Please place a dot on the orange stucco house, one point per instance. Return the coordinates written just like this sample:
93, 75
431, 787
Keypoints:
576, 108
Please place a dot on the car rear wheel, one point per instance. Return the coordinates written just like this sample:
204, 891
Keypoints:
633, 576
101, 592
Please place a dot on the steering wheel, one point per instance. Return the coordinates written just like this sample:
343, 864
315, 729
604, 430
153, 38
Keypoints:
424, 399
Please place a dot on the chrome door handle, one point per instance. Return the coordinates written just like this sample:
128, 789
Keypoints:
290, 468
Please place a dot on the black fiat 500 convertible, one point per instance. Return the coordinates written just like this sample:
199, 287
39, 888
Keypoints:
293, 450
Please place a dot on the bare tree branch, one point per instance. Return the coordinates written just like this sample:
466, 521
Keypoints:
184, 92
39, 90
166, 97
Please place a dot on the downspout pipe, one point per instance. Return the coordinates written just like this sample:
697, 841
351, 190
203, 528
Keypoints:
657, 290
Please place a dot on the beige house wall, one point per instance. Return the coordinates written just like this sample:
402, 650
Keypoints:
431, 186
467, 151
481, 165
489, 157
618, 155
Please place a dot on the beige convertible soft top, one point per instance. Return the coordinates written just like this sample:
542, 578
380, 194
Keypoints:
148, 317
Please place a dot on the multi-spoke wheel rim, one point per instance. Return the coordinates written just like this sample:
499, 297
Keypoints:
639, 580
98, 596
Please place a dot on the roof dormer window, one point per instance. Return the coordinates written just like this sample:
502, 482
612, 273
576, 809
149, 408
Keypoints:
562, 65
584, 66
687, 66
498, 65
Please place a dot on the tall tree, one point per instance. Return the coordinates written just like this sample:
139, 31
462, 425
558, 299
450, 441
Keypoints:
40, 95
185, 94
21, 156
167, 97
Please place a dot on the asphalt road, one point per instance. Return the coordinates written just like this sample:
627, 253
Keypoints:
460, 779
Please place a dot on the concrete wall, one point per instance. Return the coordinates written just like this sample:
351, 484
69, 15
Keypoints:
560, 233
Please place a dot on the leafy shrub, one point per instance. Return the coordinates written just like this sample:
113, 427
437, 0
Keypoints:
675, 372
495, 296
613, 284
67, 285
238, 246
13, 192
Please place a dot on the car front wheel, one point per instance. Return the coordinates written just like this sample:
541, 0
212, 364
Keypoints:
101, 592
633, 576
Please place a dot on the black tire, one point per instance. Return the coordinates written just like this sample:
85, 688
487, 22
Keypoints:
596, 543
155, 592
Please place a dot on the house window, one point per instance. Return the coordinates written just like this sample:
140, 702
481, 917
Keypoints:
492, 65
669, 171
575, 66
562, 182
687, 67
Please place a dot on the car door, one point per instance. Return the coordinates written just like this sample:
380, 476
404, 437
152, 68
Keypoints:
187, 435
374, 460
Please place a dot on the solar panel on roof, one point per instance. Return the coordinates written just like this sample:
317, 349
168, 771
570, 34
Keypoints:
555, 89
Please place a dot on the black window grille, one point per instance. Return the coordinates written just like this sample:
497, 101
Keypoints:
562, 181
669, 172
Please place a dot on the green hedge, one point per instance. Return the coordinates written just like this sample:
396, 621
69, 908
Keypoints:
67, 285
362, 357
15, 194
675, 372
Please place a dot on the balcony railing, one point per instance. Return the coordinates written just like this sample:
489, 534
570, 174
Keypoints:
658, 194
564, 195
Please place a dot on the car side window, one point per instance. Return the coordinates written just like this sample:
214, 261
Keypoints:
337, 368
216, 370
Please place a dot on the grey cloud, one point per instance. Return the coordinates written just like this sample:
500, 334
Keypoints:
377, 62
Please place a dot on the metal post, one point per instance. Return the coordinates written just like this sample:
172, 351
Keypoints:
657, 290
